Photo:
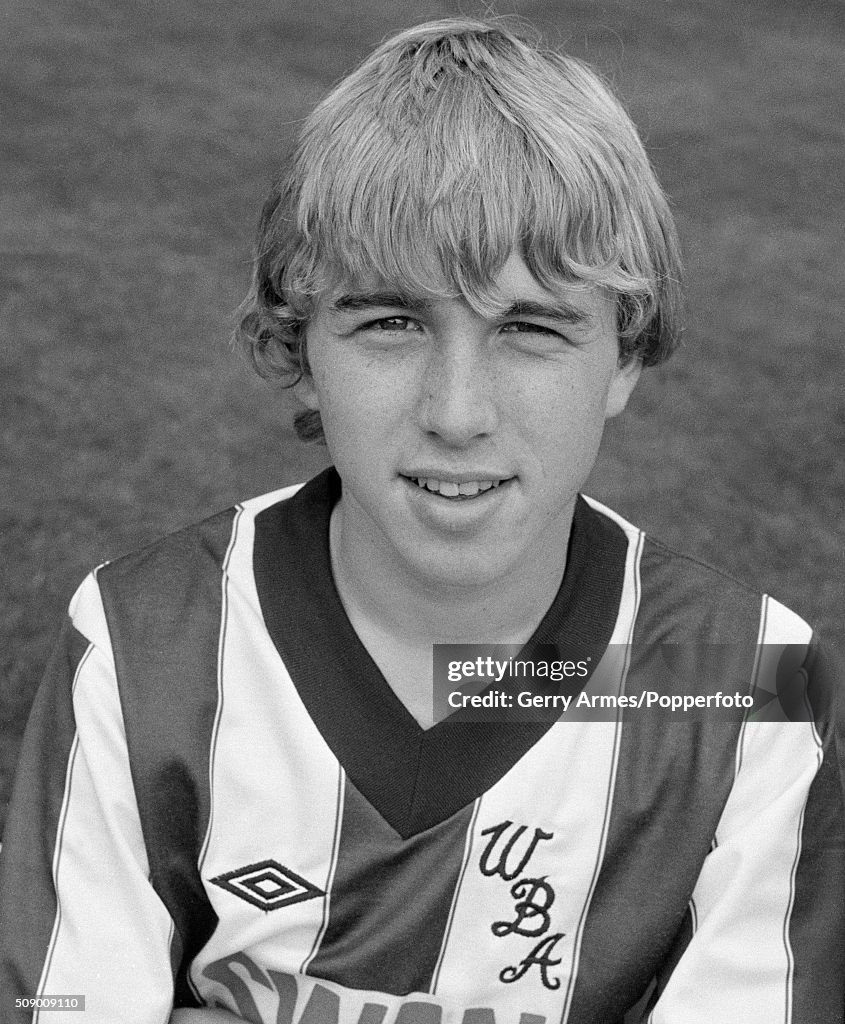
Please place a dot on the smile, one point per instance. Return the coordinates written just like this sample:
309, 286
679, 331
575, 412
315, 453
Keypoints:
456, 489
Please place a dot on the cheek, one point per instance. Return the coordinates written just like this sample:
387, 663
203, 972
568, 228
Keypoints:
567, 405
561, 430
355, 411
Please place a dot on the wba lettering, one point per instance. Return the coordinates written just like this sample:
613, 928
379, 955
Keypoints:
501, 867
533, 898
540, 956
323, 1004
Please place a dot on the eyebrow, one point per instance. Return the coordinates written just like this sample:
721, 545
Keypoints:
560, 310
354, 302
564, 312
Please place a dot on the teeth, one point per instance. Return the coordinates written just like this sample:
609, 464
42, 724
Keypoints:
449, 489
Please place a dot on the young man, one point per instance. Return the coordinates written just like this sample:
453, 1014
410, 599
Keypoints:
235, 791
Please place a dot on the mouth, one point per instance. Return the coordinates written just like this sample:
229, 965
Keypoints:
458, 490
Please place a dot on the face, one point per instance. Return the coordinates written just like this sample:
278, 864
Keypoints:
461, 439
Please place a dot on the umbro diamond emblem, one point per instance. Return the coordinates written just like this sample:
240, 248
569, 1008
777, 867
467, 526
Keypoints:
268, 885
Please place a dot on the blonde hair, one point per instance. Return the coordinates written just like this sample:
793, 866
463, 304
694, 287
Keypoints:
455, 143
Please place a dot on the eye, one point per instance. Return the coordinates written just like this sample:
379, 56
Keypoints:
392, 324
535, 339
523, 327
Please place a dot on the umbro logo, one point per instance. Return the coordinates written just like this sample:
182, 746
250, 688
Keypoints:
268, 885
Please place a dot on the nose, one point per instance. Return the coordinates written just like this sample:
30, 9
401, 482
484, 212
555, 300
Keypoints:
457, 400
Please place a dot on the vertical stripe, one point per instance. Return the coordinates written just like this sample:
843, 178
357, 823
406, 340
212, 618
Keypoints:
391, 903
817, 922
599, 857
101, 869
755, 676
739, 963
164, 608
341, 790
275, 792
455, 896
32, 841
787, 946
672, 781
629, 606
60, 835
782, 627
221, 650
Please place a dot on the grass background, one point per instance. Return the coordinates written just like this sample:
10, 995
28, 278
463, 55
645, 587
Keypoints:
136, 143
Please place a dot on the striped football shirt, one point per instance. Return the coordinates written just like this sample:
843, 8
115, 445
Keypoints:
221, 802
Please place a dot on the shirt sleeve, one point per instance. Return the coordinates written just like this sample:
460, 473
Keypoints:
767, 942
78, 916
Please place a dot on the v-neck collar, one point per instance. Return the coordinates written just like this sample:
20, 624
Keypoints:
414, 777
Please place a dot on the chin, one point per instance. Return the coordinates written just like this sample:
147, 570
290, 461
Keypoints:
465, 572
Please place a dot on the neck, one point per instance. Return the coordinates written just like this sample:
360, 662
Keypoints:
416, 613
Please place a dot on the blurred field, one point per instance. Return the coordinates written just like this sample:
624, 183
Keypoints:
136, 143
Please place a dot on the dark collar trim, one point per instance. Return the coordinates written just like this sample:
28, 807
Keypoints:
415, 778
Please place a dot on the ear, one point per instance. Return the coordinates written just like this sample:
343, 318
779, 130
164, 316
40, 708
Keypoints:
625, 378
306, 392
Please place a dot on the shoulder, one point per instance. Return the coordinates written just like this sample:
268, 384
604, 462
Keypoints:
682, 598
175, 577
685, 606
